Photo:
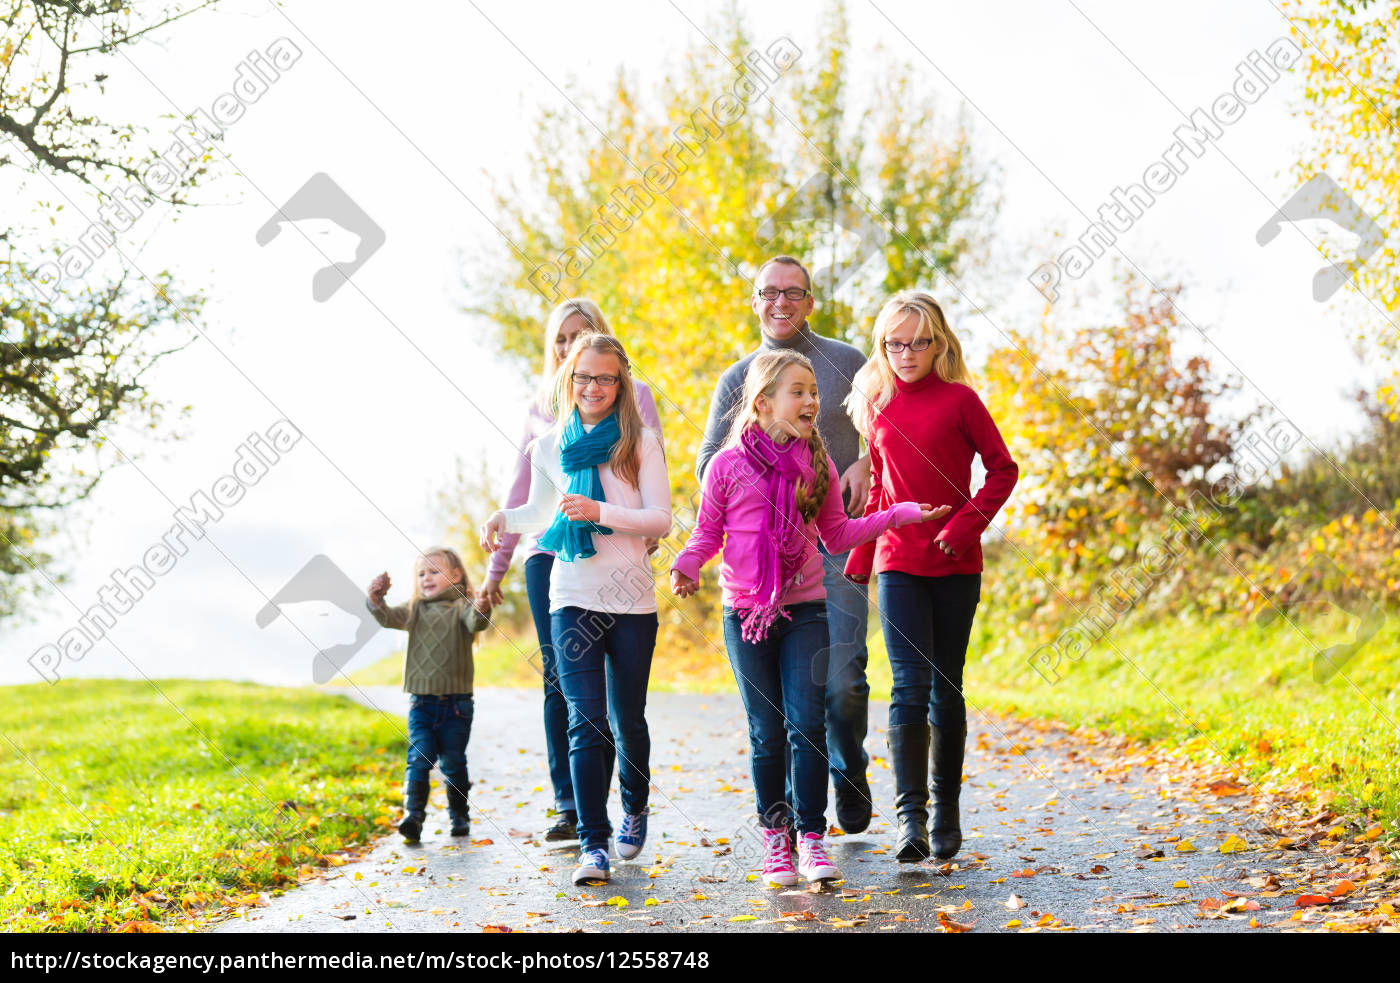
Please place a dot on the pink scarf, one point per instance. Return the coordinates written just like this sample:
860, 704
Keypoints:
774, 470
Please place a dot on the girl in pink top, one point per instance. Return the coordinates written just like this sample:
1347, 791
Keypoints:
767, 496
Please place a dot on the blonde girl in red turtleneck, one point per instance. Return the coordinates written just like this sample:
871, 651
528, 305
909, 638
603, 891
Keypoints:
924, 423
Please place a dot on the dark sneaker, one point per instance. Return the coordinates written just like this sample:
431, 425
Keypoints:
565, 828
853, 804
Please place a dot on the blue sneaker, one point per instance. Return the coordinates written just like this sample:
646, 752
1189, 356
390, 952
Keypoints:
593, 866
632, 836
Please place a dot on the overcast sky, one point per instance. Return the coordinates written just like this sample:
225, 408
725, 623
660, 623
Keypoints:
388, 381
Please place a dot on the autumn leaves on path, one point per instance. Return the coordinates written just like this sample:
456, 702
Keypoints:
1064, 833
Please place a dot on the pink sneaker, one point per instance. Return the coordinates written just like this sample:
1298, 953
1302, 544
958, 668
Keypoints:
777, 859
812, 861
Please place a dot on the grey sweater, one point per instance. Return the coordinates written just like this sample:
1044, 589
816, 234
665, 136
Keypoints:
835, 363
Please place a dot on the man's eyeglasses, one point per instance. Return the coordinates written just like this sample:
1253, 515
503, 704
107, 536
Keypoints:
791, 293
606, 381
917, 345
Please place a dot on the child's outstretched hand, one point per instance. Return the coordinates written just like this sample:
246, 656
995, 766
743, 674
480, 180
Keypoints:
928, 513
483, 605
491, 532
681, 585
378, 587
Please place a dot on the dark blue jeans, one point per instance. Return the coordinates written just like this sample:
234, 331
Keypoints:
927, 623
780, 683
438, 730
556, 709
604, 663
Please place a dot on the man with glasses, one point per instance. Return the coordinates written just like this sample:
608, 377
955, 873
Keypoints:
782, 299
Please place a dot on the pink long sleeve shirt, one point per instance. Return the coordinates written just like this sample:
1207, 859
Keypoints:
731, 515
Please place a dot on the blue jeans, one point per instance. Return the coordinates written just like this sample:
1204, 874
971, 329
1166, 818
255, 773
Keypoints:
927, 622
556, 708
786, 706
438, 730
604, 663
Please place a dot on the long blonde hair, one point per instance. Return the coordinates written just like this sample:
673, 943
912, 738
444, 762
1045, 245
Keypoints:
626, 458
595, 323
761, 379
463, 588
872, 388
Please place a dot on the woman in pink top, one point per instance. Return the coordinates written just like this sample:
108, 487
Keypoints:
766, 499
568, 321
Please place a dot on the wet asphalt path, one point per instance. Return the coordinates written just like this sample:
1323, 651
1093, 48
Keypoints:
1056, 820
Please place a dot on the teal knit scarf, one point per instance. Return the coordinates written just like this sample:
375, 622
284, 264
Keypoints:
580, 453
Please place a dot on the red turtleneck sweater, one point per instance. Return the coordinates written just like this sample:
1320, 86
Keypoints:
921, 449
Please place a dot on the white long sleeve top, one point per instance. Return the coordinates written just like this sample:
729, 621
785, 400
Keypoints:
617, 579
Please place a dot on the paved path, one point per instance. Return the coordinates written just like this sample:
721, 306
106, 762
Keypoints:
1068, 826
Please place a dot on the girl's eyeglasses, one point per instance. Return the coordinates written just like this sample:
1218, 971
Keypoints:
917, 345
606, 381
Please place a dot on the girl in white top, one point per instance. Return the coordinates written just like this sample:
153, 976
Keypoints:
599, 490
569, 319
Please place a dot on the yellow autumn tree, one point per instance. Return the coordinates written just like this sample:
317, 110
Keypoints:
1352, 104
660, 202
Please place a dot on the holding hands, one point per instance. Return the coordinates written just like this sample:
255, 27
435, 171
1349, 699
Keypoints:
491, 590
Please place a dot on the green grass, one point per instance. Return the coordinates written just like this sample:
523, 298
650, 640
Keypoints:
1225, 692
120, 811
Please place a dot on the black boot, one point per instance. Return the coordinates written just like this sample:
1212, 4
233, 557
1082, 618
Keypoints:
566, 828
852, 803
415, 808
457, 808
946, 757
909, 749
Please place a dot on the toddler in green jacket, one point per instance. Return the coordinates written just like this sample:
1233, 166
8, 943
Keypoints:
442, 619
